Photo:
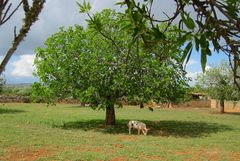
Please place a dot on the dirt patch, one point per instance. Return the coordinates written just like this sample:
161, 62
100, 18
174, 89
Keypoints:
154, 158
121, 158
33, 153
234, 156
208, 154
88, 149
36, 153
118, 145
202, 154
30, 154
127, 138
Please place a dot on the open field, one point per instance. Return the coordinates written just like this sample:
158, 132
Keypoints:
70, 132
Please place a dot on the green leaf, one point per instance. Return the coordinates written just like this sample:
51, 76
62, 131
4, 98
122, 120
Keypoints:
184, 38
188, 21
203, 41
132, 42
158, 34
136, 16
128, 26
196, 43
121, 3
216, 45
85, 7
203, 59
208, 51
185, 1
187, 52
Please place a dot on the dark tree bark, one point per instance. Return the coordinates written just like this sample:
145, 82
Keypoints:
222, 105
141, 105
110, 115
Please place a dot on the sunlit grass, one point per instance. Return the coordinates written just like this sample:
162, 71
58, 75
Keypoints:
71, 132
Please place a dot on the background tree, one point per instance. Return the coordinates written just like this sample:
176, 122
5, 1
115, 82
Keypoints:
217, 82
2, 83
96, 66
212, 23
31, 15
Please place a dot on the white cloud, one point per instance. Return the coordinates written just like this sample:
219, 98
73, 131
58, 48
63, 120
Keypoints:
24, 66
208, 67
193, 76
192, 62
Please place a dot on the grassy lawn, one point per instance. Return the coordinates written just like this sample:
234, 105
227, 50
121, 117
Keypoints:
70, 132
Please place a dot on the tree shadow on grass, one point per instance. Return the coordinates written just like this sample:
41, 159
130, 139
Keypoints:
157, 128
186, 128
10, 111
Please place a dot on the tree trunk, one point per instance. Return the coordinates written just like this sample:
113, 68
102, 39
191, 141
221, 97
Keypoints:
169, 104
222, 105
141, 105
110, 115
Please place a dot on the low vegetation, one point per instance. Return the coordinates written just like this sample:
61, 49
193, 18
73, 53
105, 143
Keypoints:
16, 90
71, 132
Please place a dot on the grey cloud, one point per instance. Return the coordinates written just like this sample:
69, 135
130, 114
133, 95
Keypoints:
56, 13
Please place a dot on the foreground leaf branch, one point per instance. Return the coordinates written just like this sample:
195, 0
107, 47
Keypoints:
216, 24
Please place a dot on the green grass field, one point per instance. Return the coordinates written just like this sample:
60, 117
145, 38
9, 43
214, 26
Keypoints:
70, 132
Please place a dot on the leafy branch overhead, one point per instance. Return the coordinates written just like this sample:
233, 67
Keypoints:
31, 15
214, 23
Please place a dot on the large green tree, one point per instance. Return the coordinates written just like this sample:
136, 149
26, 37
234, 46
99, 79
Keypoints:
217, 82
97, 66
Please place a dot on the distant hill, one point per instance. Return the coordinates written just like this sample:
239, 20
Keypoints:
19, 85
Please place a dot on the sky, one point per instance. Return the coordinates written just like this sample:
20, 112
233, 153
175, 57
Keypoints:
59, 13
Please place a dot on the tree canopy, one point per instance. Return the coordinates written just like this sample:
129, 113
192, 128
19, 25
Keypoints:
98, 67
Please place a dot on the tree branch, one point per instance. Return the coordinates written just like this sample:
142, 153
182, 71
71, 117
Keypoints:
30, 18
220, 8
5, 18
104, 35
26, 7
